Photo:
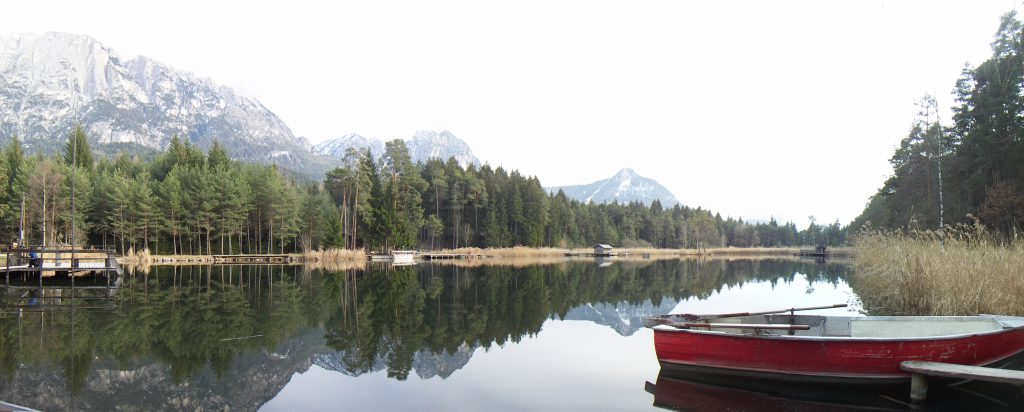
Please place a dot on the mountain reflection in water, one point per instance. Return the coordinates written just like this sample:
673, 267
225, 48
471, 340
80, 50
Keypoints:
211, 337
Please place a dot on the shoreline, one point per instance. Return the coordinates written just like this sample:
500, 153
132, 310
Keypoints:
348, 257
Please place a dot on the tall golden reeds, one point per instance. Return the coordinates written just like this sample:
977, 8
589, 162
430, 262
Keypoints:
961, 270
506, 252
138, 257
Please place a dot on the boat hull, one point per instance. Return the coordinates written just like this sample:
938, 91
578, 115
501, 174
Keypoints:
802, 357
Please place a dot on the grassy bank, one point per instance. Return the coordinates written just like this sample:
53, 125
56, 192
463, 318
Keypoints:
959, 271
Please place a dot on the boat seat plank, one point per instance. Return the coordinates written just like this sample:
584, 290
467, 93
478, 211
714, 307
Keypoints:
950, 370
891, 328
836, 326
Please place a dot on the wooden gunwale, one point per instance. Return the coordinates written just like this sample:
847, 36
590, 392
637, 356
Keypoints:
671, 329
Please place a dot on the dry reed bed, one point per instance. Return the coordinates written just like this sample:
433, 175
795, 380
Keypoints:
958, 271
531, 252
324, 257
508, 252
519, 256
521, 262
514, 262
334, 260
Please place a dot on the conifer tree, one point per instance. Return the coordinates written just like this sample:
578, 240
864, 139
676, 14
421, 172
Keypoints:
79, 144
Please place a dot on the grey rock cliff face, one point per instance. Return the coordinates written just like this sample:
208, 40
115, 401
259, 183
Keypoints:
51, 81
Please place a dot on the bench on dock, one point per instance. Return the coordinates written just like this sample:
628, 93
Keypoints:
922, 369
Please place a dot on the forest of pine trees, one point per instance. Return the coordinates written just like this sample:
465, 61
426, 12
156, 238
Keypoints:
185, 201
944, 174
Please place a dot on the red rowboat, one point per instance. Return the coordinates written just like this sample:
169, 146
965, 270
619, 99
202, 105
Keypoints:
807, 347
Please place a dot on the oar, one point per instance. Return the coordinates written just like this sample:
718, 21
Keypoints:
744, 326
770, 312
691, 317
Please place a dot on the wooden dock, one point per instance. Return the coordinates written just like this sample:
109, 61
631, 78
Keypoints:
819, 252
921, 370
55, 269
811, 253
48, 262
592, 254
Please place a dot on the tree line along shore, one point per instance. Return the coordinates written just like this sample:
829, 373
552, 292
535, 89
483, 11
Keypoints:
185, 201
327, 257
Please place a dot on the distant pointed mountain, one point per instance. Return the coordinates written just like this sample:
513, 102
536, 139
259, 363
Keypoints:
625, 187
336, 148
423, 146
50, 81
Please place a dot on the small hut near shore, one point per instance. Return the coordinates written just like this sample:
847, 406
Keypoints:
602, 249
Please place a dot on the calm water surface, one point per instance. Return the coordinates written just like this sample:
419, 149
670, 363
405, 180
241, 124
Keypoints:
426, 337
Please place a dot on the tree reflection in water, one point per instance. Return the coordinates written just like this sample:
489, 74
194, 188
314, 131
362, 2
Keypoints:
190, 318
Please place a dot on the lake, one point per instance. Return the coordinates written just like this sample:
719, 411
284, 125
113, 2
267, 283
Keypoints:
565, 336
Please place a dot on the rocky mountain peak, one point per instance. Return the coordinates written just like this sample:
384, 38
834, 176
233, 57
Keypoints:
436, 136
625, 174
54, 62
442, 145
51, 81
424, 145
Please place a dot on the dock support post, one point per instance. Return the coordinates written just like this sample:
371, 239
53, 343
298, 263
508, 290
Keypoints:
918, 387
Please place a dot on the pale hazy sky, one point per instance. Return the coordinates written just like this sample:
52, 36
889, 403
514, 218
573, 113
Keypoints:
750, 108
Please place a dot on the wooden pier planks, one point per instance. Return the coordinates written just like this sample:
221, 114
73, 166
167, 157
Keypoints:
922, 369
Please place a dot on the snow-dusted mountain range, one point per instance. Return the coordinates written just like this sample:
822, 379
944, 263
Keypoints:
423, 146
425, 364
50, 81
625, 187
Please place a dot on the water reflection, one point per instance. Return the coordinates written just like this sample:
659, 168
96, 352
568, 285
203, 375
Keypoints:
696, 391
707, 394
232, 336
